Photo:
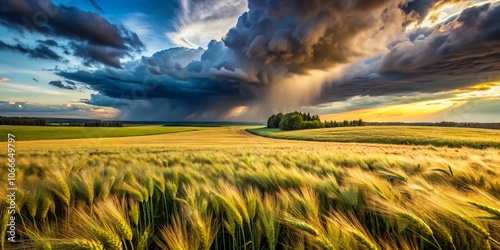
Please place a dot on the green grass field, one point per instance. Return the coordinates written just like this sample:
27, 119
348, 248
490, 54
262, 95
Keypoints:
30, 133
437, 136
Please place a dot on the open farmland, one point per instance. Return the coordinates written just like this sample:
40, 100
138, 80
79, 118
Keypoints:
410, 135
29, 133
224, 188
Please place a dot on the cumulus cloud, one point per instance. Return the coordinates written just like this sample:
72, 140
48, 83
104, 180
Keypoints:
421, 8
446, 48
142, 85
64, 21
93, 32
49, 42
76, 110
96, 6
61, 85
70, 82
39, 52
92, 54
316, 34
200, 21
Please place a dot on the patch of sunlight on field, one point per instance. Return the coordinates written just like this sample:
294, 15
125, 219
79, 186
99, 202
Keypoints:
412, 135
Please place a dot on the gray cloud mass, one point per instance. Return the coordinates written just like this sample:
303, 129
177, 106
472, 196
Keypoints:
445, 59
61, 85
89, 32
39, 52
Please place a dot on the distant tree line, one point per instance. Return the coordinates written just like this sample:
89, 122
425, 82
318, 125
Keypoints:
491, 125
32, 121
103, 124
87, 124
298, 120
25, 121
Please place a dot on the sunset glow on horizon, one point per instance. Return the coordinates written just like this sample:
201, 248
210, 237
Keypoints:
431, 110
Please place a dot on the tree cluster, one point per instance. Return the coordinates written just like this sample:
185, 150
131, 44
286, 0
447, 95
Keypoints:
103, 124
88, 124
345, 123
32, 121
297, 120
26, 121
490, 125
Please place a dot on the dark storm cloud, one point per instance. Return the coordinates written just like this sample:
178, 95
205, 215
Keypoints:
165, 80
445, 59
58, 84
160, 109
44, 17
105, 101
61, 85
93, 33
450, 52
39, 52
313, 34
94, 3
276, 39
48, 42
69, 82
92, 54
138, 83
172, 61
421, 8
271, 40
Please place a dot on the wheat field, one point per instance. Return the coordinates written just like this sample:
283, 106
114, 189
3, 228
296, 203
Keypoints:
408, 135
225, 188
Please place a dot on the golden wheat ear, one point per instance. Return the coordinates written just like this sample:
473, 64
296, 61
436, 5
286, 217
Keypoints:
495, 212
415, 221
472, 225
78, 244
176, 235
144, 240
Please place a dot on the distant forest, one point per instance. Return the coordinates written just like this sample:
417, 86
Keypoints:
297, 120
29, 121
32, 121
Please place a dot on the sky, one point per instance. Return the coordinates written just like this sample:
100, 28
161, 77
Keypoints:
243, 60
